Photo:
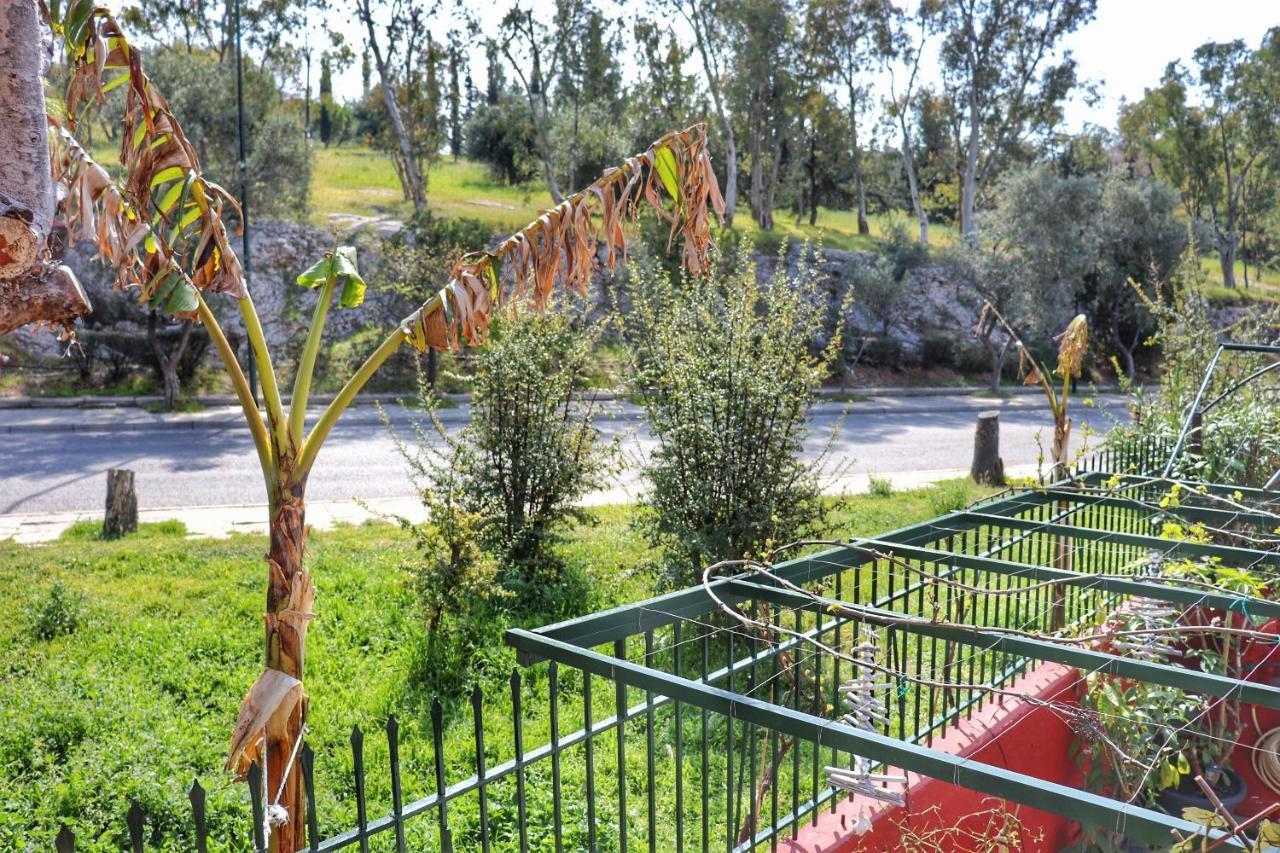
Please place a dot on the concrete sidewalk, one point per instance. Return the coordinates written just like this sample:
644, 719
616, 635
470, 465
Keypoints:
220, 521
365, 412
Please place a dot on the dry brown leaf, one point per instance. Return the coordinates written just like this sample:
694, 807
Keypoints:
266, 707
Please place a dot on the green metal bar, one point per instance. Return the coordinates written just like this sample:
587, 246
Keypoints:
1107, 583
1221, 489
1143, 825
1191, 412
992, 640
1084, 499
1238, 557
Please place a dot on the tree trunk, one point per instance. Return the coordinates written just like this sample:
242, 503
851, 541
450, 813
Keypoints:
1227, 259
913, 184
730, 172
987, 467
1125, 351
289, 598
413, 180
997, 363
122, 505
168, 362
26, 189
969, 183
859, 186
45, 294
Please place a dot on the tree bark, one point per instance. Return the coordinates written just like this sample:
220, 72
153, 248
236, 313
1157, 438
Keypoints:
969, 180
122, 505
26, 188
987, 467
710, 67
1125, 350
47, 293
858, 183
168, 362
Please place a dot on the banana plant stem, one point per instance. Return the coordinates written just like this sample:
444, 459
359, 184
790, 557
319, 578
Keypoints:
276, 418
306, 367
311, 447
253, 418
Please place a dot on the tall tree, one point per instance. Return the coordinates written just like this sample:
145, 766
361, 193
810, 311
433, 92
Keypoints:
535, 49
1208, 146
411, 177
1000, 67
707, 20
903, 52
326, 101
847, 39
764, 90
455, 96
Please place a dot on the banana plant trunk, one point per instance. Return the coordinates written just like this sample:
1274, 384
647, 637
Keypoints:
289, 596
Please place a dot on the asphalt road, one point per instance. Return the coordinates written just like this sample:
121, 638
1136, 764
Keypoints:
49, 469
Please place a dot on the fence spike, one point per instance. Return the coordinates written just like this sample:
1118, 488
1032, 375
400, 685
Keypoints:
477, 716
197, 796
66, 840
437, 746
308, 760
357, 760
397, 796
255, 804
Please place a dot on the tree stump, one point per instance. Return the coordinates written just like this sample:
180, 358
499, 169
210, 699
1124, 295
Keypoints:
987, 466
122, 504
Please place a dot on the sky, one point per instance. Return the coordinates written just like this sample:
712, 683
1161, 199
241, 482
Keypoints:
1122, 51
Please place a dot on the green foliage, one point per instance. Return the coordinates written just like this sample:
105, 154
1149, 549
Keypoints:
57, 612
724, 370
938, 349
201, 90
879, 487
948, 496
501, 135
454, 579
530, 452
1240, 438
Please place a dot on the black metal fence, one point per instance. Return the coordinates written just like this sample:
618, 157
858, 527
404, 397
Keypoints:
659, 774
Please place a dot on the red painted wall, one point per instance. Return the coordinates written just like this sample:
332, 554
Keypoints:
1017, 736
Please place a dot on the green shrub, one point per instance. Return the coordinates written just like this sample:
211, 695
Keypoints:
879, 487
949, 496
530, 451
883, 351
723, 368
972, 359
938, 349
458, 234
57, 613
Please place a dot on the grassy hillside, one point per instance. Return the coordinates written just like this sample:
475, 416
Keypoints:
357, 180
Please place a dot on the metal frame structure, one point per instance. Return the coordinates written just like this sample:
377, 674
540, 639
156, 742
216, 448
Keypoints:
1082, 511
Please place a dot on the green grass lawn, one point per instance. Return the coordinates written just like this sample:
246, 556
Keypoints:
140, 697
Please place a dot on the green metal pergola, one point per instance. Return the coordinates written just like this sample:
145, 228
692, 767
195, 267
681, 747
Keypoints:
1000, 554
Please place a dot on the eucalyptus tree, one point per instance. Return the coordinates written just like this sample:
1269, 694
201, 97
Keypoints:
368, 14
909, 33
707, 19
161, 229
763, 92
847, 40
1002, 71
1206, 131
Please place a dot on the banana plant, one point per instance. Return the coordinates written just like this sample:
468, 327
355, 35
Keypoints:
161, 228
